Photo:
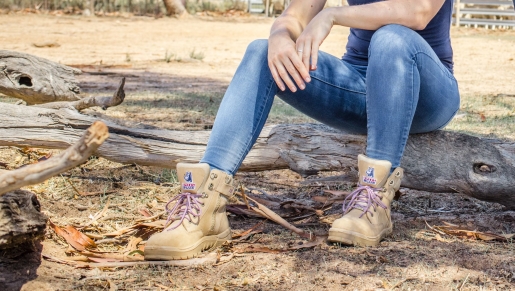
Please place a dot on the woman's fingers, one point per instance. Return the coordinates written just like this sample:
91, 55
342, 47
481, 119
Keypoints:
276, 76
314, 56
304, 55
286, 65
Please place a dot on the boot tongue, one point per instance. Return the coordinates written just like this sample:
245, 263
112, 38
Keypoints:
192, 176
373, 173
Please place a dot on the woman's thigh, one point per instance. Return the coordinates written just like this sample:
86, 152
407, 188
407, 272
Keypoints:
336, 95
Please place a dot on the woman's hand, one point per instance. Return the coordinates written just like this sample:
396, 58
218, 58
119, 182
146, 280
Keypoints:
284, 62
312, 37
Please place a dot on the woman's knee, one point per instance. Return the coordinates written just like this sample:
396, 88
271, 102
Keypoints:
257, 48
392, 38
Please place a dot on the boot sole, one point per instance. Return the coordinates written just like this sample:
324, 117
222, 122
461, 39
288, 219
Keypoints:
163, 253
347, 237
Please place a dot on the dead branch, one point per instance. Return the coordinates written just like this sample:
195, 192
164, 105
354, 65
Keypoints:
269, 214
79, 105
437, 162
73, 156
36, 80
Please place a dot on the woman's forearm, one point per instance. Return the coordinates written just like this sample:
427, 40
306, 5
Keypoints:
296, 17
287, 25
414, 14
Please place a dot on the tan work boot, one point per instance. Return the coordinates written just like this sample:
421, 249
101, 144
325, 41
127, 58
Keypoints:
366, 211
196, 217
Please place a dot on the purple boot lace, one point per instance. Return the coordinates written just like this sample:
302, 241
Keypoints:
363, 198
187, 206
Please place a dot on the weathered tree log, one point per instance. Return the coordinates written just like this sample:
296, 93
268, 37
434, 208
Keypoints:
104, 102
36, 80
436, 162
20, 219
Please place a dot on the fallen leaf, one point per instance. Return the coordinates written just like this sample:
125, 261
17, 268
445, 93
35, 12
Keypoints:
75, 238
249, 231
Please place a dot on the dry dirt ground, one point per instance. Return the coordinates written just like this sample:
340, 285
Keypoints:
177, 71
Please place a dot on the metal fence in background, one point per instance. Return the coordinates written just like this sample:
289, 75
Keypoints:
486, 13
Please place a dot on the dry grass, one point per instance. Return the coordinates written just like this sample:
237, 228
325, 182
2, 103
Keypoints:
486, 115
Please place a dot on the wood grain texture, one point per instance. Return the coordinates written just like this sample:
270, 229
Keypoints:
104, 102
437, 162
36, 80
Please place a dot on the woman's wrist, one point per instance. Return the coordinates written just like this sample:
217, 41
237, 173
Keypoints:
332, 14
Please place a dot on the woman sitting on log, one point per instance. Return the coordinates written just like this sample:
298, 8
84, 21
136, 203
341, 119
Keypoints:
395, 79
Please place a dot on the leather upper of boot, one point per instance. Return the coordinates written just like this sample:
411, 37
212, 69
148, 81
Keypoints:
367, 211
210, 190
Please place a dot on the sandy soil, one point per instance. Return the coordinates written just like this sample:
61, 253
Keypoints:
136, 47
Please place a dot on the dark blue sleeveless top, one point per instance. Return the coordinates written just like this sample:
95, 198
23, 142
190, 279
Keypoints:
436, 33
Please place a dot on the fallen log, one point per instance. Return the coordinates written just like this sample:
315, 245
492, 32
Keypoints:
20, 217
36, 80
436, 162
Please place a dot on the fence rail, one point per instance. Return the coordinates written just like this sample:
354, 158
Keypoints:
488, 13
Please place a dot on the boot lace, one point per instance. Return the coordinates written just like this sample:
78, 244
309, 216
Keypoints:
364, 198
187, 206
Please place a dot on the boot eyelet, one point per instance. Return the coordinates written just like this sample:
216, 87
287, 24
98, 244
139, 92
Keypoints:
227, 180
213, 176
211, 186
397, 174
391, 183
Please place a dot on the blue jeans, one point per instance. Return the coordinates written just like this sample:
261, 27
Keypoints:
404, 89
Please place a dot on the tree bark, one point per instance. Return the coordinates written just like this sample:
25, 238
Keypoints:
20, 219
36, 80
174, 7
104, 102
437, 162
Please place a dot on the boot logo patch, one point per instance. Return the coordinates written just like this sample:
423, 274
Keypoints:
369, 177
188, 179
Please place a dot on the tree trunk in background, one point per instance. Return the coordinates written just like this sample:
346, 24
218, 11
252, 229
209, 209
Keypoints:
174, 7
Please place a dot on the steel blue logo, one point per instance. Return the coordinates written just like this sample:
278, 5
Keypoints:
188, 178
188, 182
369, 177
